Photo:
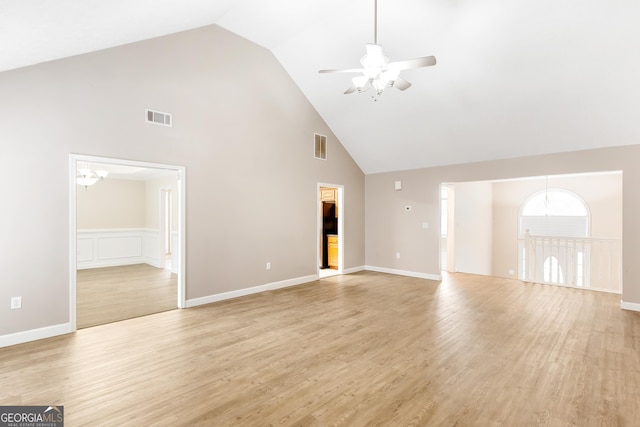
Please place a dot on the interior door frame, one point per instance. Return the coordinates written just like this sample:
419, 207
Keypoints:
447, 250
341, 211
73, 223
163, 240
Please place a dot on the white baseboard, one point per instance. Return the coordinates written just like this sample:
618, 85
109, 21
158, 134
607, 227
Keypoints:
353, 269
436, 277
115, 263
629, 306
248, 291
35, 334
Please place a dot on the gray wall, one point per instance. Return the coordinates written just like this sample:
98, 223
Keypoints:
385, 226
242, 128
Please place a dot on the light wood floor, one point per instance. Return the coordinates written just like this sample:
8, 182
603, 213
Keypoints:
353, 350
105, 295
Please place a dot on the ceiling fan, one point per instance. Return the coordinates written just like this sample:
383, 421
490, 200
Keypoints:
377, 72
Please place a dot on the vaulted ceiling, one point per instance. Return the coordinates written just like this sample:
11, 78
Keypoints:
514, 77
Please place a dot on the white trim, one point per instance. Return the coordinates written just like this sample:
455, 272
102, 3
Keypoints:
162, 229
117, 230
427, 276
73, 239
181, 247
629, 306
253, 290
36, 334
354, 269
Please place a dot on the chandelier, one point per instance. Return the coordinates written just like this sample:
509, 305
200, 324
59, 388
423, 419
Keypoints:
85, 176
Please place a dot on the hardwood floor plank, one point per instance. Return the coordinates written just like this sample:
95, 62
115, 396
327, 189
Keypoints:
355, 350
111, 294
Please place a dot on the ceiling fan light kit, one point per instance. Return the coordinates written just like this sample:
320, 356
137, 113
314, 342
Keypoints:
377, 70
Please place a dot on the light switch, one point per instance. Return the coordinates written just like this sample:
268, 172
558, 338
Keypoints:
398, 185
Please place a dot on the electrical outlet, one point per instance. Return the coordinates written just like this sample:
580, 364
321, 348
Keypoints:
511, 272
268, 266
16, 302
398, 255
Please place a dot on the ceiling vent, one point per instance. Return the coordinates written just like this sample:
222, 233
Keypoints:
158, 117
320, 146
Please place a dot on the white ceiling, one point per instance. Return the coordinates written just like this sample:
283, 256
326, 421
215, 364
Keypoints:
514, 77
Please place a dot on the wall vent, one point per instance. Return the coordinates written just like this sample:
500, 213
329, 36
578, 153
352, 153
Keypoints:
158, 118
320, 146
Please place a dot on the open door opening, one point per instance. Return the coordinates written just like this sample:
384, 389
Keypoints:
127, 239
330, 230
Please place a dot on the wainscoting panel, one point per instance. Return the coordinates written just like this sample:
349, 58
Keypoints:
85, 249
114, 247
119, 247
151, 252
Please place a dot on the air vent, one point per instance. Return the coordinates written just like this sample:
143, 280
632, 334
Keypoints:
320, 146
158, 118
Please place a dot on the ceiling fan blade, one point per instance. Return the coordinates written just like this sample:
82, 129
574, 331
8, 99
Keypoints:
425, 61
401, 84
350, 90
346, 70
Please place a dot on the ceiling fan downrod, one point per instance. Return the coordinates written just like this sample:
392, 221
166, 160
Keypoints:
375, 21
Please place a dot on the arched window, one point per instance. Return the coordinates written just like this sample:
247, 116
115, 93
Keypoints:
553, 213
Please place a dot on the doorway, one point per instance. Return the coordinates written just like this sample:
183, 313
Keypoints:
126, 228
485, 231
330, 229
